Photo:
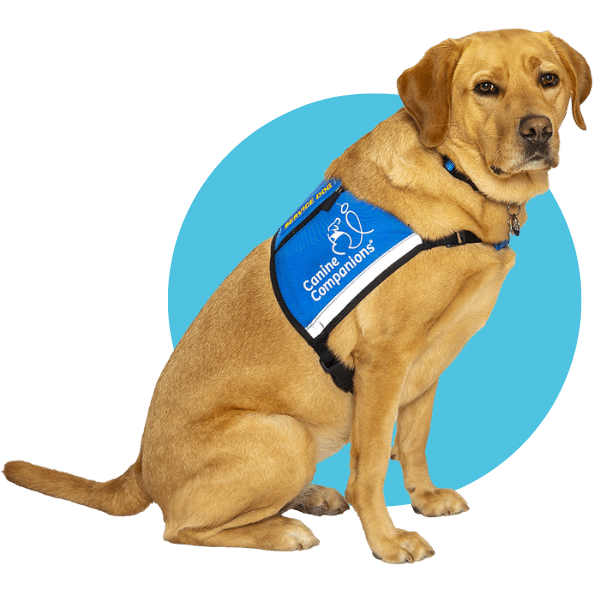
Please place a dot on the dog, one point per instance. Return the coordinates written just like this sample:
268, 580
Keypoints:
244, 410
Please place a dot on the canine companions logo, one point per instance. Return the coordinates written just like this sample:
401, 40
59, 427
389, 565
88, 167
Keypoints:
346, 237
330, 253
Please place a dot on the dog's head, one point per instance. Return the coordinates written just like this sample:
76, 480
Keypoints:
496, 100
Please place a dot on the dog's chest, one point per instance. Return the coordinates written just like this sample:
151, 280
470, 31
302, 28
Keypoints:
466, 311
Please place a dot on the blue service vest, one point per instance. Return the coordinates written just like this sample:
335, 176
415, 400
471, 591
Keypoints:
331, 253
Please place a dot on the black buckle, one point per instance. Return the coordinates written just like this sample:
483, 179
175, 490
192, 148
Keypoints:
342, 376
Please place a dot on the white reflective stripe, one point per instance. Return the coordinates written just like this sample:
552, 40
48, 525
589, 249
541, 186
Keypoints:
357, 285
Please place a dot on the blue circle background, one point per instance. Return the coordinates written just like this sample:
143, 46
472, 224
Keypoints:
504, 382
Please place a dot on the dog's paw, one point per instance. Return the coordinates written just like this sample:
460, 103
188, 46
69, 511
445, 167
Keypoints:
294, 535
318, 500
403, 547
438, 503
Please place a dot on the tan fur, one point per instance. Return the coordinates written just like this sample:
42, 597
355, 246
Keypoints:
243, 412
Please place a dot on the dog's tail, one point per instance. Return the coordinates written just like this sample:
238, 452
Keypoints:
122, 496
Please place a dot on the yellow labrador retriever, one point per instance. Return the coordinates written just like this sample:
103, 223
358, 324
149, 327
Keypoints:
244, 411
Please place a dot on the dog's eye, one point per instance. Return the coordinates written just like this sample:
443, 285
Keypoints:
486, 88
549, 79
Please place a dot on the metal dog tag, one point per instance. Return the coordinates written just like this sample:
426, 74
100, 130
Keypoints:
514, 226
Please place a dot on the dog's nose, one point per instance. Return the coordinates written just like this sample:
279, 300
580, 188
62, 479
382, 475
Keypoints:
536, 129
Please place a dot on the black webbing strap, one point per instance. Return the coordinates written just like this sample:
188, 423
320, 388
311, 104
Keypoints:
342, 375
454, 239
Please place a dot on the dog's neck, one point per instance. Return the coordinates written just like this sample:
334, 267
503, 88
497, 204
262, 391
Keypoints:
515, 188
453, 170
513, 210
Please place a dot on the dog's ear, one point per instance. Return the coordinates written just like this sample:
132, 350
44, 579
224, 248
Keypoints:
580, 76
426, 90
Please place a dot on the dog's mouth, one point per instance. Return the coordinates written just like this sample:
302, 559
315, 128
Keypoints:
540, 160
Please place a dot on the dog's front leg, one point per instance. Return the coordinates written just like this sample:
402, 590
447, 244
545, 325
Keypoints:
378, 384
412, 430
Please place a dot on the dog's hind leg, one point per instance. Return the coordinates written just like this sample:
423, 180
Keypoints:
318, 500
274, 533
246, 475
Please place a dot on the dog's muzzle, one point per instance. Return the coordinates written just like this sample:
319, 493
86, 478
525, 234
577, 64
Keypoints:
536, 132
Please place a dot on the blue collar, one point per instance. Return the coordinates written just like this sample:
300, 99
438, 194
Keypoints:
451, 168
